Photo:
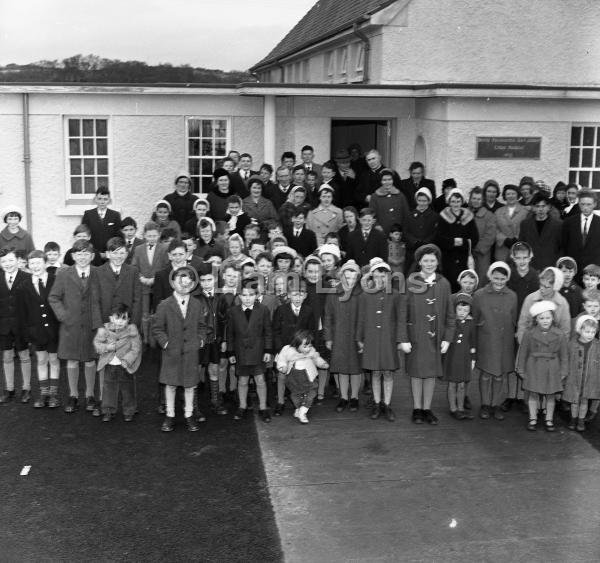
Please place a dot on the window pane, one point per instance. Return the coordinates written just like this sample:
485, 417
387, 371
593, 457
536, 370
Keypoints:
75, 167
88, 127
221, 128
194, 128
588, 136
195, 184
74, 147
597, 158
206, 184
595, 181
101, 146
575, 136
101, 127
103, 181
194, 147
75, 185
207, 147
574, 162
102, 164
207, 167
587, 157
73, 127
220, 148
572, 177
207, 128
90, 185
88, 146
88, 166
194, 165
584, 179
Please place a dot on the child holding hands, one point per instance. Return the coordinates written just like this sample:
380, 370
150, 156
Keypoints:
300, 362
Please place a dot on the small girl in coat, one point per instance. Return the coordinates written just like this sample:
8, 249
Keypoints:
458, 361
542, 362
299, 361
583, 378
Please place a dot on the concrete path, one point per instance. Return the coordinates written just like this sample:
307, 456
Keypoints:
346, 488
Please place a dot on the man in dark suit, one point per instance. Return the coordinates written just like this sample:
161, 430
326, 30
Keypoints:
367, 242
280, 192
581, 233
369, 179
181, 199
301, 239
307, 154
410, 186
239, 179
542, 232
103, 223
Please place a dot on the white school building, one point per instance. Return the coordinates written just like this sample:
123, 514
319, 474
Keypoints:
475, 89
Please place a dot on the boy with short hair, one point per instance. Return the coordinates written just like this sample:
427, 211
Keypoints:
523, 279
82, 232
71, 299
41, 326
571, 291
591, 276
52, 253
12, 338
235, 218
251, 234
128, 233
104, 223
256, 248
249, 343
120, 348
287, 320
180, 331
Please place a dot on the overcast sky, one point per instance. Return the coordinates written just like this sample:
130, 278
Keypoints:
225, 34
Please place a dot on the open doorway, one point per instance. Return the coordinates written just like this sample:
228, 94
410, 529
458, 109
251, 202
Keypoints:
369, 134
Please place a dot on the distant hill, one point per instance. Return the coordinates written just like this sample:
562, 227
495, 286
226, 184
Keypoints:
91, 68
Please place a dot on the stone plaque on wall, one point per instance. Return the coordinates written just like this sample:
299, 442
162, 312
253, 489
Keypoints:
509, 147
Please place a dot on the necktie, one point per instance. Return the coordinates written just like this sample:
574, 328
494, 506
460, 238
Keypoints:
247, 312
150, 246
129, 245
10, 281
365, 235
83, 275
297, 234
585, 227
40, 285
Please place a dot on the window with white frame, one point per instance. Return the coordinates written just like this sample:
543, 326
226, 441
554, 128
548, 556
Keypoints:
584, 164
88, 157
208, 142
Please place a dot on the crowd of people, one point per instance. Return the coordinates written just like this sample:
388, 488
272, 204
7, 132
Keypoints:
330, 278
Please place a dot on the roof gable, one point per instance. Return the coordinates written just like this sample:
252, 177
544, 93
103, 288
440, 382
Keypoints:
325, 19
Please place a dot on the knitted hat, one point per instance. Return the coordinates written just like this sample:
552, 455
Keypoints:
284, 250
312, 259
454, 191
183, 174
350, 266
469, 272
567, 262
219, 173
582, 319
541, 307
162, 202
463, 298
498, 264
558, 277
202, 200
428, 249
329, 249
378, 263
424, 191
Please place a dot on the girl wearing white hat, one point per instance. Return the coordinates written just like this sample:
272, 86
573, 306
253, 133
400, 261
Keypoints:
543, 362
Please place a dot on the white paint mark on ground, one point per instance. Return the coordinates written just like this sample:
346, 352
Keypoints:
25, 470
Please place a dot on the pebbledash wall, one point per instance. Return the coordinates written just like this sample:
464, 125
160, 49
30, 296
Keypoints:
148, 138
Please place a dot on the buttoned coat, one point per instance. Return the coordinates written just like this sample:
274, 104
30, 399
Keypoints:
286, 323
37, 321
361, 250
8, 302
183, 338
146, 269
102, 229
339, 326
323, 220
389, 208
543, 360
482, 251
583, 379
425, 358
21, 240
261, 210
111, 290
495, 316
71, 300
381, 326
508, 227
249, 340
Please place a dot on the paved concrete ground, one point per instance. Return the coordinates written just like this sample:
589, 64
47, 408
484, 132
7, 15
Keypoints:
346, 488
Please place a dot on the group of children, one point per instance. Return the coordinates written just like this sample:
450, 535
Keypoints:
266, 316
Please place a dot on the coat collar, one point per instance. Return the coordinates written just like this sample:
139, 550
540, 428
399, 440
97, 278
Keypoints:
449, 217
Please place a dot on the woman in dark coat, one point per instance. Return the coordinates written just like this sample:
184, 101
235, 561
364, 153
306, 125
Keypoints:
339, 332
380, 330
456, 236
217, 198
491, 192
495, 316
430, 324
420, 227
